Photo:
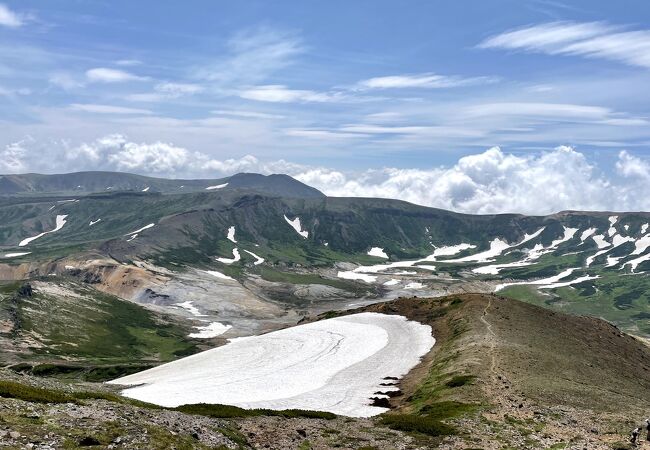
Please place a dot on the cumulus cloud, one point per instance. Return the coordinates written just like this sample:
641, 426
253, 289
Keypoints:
632, 166
106, 75
12, 158
591, 40
9, 18
424, 80
489, 182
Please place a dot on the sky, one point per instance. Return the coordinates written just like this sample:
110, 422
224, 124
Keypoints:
529, 106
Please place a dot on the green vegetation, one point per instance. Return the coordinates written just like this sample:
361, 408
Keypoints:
622, 299
228, 411
75, 322
418, 423
10, 389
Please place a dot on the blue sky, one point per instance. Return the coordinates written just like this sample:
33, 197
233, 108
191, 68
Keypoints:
191, 88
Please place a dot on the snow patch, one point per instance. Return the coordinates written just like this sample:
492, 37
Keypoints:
211, 330
587, 233
378, 252
236, 257
216, 274
139, 230
218, 186
93, 222
258, 259
145, 189
353, 275
231, 234
414, 285
60, 221
295, 224
189, 307
331, 365
15, 254
391, 282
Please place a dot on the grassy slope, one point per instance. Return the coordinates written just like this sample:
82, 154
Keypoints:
87, 326
494, 354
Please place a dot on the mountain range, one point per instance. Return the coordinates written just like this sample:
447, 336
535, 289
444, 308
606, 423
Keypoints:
105, 274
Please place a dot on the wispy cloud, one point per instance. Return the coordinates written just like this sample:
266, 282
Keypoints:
106, 75
281, 94
107, 109
252, 55
590, 39
166, 91
246, 114
128, 62
9, 18
423, 80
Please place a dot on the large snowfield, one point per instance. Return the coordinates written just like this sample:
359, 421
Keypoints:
333, 365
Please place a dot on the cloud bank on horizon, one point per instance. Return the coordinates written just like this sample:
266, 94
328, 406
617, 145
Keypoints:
404, 106
489, 182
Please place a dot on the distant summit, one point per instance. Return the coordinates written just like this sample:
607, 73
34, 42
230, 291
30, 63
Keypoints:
94, 182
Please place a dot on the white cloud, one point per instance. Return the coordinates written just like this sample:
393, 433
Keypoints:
107, 109
424, 80
591, 40
65, 81
166, 91
128, 62
489, 182
106, 75
252, 55
12, 158
632, 166
10, 19
281, 94
246, 114
5, 92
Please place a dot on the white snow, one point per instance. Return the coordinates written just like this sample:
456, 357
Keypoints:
627, 227
568, 235
211, 330
636, 262
600, 241
236, 257
258, 259
146, 227
543, 281
414, 285
641, 245
569, 283
426, 267
331, 365
588, 232
231, 234
391, 282
72, 200
644, 228
15, 254
216, 274
378, 252
93, 222
353, 275
617, 241
190, 307
497, 247
295, 224
60, 221
218, 186
145, 189
612, 230
132, 237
